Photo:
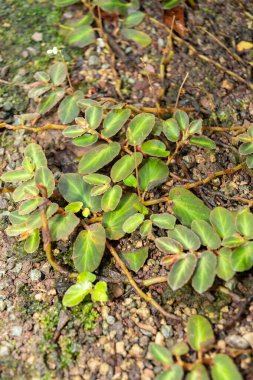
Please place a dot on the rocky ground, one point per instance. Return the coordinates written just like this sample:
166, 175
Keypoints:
39, 339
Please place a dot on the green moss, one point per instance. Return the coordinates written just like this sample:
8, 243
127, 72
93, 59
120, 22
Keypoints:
87, 314
69, 351
28, 305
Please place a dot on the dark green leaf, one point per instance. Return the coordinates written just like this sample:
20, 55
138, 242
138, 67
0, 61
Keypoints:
93, 116
96, 179
182, 271
49, 101
246, 148
16, 176
61, 226
244, 223
206, 233
179, 349
42, 76
169, 4
198, 372
44, 177
155, 148
199, 332
171, 130
125, 166
58, 73
249, 161
114, 121
29, 206
224, 368
146, 228
223, 221
113, 6
134, 19
81, 37
203, 142
153, 173
182, 119
205, 273
68, 109
142, 39
65, 3
224, 268
186, 237
195, 127
85, 140
161, 354
165, 220
132, 223
139, 128
111, 198
73, 131
135, 259
39, 90
174, 373
36, 154
168, 245
242, 258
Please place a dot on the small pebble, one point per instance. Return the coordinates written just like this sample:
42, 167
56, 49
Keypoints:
16, 331
37, 37
2, 305
35, 275
167, 331
237, 341
110, 320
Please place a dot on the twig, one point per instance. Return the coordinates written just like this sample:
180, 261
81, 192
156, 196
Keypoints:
156, 201
143, 295
180, 89
33, 129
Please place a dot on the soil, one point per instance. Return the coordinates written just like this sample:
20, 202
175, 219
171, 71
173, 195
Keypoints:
39, 338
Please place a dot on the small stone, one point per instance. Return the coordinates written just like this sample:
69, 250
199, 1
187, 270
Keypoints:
16, 331
249, 338
227, 85
2, 305
110, 320
3, 203
120, 348
104, 369
136, 351
93, 60
167, 331
4, 350
35, 275
237, 341
17, 268
7, 106
37, 37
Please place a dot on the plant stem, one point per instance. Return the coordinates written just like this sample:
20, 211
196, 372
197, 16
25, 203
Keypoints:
154, 280
143, 295
156, 201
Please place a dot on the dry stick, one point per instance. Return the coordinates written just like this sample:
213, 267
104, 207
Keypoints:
33, 129
143, 295
180, 89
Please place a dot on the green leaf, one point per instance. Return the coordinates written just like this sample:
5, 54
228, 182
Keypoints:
32, 242
182, 198
73, 131
242, 257
186, 237
16, 229
205, 273
28, 206
16, 218
73, 189
49, 101
130, 181
171, 130
86, 20
246, 148
203, 142
199, 332
61, 226
135, 259
249, 161
208, 236
223, 221
244, 223
180, 349
125, 166
139, 128
113, 220
82, 36
39, 90
84, 103
99, 190
16, 176
86, 276
74, 207
142, 39
155, 148
114, 121
132, 223
224, 368
198, 372
195, 127
98, 157
161, 354
154, 172
76, 293
65, 3
44, 177
85, 140
111, 198
174, 373
182, 271
134, 19
146, 228
25, 190
36, 154
99, 293
224, 268
182, 119
96, 179
113, 6
93, 116
169, 4
165, 220
42, 76
68, 109
89, 247
58, 73
28, 165
168, 245
233, 241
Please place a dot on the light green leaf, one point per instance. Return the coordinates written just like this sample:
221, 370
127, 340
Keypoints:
242, 257
85, 140
168, 245
113, 6
130, 181
93, 116
142, 39
125, 166
182, 119
96, 179
146, 228
73, 189
86, 20
65, 3
73, 131
249, 161
82, 36
180, 349
132, 223
169, 4
28, 165
74, 207
208, 236
32, 242
86, 276
223, 221
224, 268
98, 157
155, 148
244, 223
134, 19
198, 372
111, 198
199, 332
99, 293
114, 121
161, 354
233, 241
68, 109
165, 220
44, 177
182, 198
25, 191
84, 103
186, 237
49, 101
195, 127
171, 129
16, 176
174, 373
135, 259
16, 218
99, 190
42, 76
203, 142
16, 229
205, 273
76, 293
61, 226
36, 154
246, 148
58, 73
139, 128
113, 220
154, 172
28, 206
89, 247
182, 271
224, 368
39, 90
